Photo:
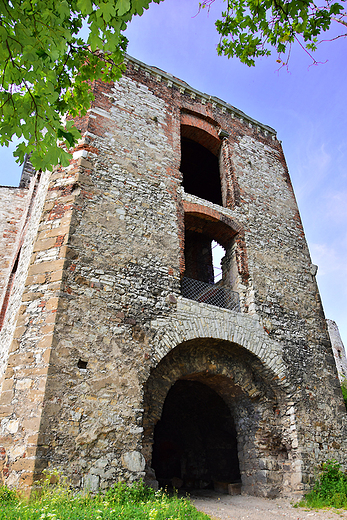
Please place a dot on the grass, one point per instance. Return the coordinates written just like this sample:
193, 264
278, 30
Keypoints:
57, 502
330, 489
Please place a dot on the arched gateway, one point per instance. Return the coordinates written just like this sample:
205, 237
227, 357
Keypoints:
121, 355
214, 412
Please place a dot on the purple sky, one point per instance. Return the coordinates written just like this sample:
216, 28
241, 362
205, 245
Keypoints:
307, 107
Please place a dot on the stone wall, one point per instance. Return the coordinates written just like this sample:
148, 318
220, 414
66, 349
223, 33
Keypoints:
21, 211
13, 206
338, 350
103, 331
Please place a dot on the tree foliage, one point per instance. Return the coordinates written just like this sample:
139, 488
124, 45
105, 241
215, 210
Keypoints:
47, 70
251, 28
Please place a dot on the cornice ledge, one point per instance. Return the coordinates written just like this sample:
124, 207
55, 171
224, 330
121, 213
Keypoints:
184, 88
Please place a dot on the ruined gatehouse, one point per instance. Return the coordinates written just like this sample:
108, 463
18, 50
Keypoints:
122, 356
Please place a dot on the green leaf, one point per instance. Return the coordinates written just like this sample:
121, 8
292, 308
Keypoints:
123, 6
53, 68
68, 136
85, 6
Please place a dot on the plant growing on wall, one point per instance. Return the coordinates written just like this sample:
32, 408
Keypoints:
344, 391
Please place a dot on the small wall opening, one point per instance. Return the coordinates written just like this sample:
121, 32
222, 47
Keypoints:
200, 168
195, 445
82, 364
218, 253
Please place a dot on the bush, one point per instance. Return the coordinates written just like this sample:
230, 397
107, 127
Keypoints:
330, 490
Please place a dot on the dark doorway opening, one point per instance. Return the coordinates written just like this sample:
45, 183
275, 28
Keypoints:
200, 170
195, 442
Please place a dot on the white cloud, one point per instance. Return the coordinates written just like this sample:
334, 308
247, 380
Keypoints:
328, 259
336, 205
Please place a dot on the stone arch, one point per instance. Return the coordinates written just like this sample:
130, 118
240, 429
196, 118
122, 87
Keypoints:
196, 320
257, 404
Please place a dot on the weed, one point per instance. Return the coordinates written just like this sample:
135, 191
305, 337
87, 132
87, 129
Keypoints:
121, 493
55, 501
330, 489
344, 391
8, 496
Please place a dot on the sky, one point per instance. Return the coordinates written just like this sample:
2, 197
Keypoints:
306, 105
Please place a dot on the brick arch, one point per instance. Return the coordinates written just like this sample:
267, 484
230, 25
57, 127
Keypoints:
210, 222
201, 131
217, 226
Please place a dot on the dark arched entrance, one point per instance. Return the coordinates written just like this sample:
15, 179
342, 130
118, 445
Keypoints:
195, 442
195, 399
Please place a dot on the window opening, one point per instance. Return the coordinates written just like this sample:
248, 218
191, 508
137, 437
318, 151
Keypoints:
206, 273
198, 257
200, 168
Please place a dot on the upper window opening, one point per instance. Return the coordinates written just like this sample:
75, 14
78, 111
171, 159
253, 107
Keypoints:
200, 168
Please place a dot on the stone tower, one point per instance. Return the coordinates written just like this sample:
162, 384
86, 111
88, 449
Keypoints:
121, 355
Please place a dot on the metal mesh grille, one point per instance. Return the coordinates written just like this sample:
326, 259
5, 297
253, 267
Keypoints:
217, 295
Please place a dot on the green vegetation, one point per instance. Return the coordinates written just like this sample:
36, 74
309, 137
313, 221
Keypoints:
47, 70
7, 496
330, 489
250, 29
344, 392
58, 502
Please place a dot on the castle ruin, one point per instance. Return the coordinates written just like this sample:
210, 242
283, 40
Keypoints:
122, 357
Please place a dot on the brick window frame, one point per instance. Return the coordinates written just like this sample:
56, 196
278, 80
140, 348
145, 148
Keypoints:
226, 231
206, 132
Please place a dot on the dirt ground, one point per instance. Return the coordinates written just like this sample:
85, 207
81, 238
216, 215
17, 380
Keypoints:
226, 507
